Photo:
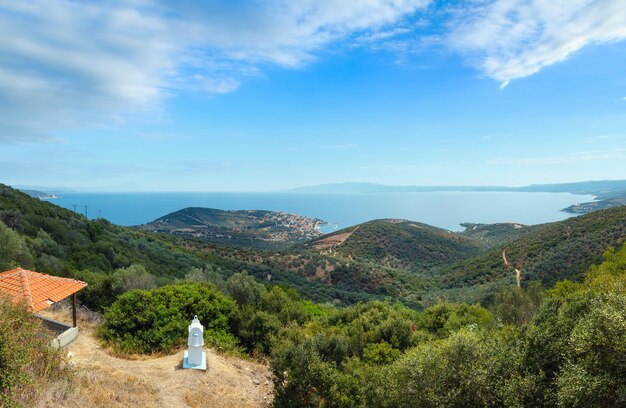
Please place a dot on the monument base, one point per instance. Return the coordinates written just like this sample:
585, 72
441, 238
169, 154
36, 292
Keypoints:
202, 366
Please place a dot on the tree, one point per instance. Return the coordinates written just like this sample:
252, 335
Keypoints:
13, 249
244, 289
134, 277
515, 305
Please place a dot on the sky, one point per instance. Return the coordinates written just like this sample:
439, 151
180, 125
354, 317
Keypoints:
264, 95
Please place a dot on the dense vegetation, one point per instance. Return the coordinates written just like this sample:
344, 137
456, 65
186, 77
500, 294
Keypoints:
39, 235
405, 244
404, 261
562, 348
147, 321
527, 346
495, 235
27, 361
548, 253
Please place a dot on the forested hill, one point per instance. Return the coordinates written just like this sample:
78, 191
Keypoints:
386, 259
248, 228
39, 235
399, 244
548, 253
498, 234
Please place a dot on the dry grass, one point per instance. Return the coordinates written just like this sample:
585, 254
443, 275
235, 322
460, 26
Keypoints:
102, 388
204, 398
96, 388
104, 379
159, 381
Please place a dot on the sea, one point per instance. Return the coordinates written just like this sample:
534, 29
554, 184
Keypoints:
442, 209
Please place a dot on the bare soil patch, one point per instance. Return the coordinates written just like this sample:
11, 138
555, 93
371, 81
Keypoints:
332, 240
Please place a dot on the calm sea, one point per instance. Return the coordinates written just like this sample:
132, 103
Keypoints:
442, 209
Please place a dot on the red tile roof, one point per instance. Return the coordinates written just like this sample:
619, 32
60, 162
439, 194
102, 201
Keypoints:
37, 290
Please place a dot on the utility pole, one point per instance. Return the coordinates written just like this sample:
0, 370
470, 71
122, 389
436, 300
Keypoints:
99, 214
74, 205
86, 211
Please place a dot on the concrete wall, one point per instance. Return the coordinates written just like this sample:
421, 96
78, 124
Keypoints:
65, 333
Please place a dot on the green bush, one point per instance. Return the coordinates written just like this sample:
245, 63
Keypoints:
468, 369
156, 321
27, 361
576, 344
445, 318
515, 305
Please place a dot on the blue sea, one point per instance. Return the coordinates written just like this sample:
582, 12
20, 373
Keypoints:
441, 209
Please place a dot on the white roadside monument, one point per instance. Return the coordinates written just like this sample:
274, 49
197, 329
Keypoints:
195, 357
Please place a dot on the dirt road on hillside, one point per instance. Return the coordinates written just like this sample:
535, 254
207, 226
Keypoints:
518, 272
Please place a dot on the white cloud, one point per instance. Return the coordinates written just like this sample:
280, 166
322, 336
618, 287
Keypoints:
67, 64
510, 39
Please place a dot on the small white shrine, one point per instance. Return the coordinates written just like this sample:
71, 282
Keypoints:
194, 356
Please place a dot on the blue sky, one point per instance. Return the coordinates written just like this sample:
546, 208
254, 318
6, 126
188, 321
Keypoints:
263, 95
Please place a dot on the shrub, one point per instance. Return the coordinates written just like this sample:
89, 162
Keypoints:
467, 369
149, 321
446, 318
27, 361
514, 305
134, 277
576, 344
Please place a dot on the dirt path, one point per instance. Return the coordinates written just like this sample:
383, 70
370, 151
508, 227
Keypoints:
228, 381
518, 273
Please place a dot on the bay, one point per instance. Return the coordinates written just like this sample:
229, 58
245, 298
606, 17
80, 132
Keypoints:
442, 209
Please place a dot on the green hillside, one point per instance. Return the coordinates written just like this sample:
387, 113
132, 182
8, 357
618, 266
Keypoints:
40, 235
548, 253
61, 241
404, 245
492, 235
380, 260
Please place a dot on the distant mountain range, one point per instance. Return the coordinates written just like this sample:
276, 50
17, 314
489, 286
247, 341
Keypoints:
608, 193
602, 188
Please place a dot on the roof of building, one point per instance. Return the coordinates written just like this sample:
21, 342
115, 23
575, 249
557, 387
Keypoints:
39, 291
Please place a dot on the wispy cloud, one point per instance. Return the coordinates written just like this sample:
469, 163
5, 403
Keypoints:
67, 64
570, 158
511, 39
